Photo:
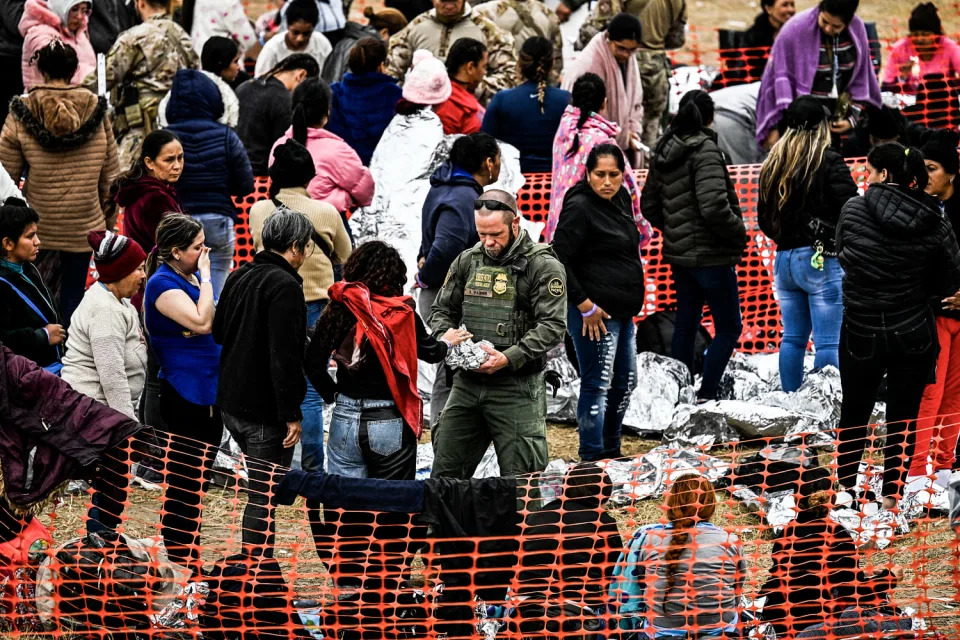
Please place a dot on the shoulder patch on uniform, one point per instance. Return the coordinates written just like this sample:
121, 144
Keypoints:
555, 287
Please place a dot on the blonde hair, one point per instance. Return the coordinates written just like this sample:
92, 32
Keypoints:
793, 163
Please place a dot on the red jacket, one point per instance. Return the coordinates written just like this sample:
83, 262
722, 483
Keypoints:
461, 113
389, 326
145, 202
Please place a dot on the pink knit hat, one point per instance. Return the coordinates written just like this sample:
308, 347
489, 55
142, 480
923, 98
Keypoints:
427, 81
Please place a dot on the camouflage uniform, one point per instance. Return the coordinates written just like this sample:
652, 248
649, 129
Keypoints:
144, 58
657, 17
426, 32
525, 19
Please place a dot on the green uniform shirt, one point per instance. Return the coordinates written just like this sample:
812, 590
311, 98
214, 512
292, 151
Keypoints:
541, 292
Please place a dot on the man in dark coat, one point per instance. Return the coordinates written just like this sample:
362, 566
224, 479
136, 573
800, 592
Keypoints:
261, 321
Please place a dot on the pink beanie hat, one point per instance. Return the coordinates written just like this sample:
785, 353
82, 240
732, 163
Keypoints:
427, 81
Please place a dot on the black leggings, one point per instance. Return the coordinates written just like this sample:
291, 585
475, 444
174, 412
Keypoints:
187, 469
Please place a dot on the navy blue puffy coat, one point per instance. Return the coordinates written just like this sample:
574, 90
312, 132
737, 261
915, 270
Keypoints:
215, 163
362, 106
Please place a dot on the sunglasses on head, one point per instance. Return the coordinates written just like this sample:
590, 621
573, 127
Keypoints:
492, 205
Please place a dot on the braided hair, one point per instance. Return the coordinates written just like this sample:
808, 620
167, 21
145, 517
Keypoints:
376, 265
588, 95
311, 107
536, 62
691, 500
295, 62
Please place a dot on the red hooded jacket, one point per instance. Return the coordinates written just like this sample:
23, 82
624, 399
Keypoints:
389, 326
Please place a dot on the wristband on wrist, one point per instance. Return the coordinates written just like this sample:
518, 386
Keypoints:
591, 312
447, 342
203, 280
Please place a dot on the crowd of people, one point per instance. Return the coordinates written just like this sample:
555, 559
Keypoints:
141, 165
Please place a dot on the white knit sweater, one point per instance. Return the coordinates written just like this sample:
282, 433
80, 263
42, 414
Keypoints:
106, 354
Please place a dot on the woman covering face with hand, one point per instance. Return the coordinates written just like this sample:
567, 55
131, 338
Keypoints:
597, 240
178, 315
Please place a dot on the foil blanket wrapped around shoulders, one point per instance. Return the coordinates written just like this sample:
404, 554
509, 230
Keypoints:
66, 431
411, 149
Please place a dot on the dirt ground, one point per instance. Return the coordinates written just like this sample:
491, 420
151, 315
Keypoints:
928, 554
708, 15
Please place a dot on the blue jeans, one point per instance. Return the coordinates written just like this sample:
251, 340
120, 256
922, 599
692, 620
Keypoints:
311, 434
809, 300
608, 375
717, 287
220, 236
368, 439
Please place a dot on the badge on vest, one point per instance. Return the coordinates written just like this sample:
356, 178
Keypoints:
555, 287
500, 284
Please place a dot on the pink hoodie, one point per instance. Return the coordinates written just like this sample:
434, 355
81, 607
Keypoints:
569, 168
38, 26
341, 179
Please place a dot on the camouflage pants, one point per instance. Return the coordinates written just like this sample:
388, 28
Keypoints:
655, 80
128, 148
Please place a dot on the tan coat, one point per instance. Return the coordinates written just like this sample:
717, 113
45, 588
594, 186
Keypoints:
63, 136
317, 271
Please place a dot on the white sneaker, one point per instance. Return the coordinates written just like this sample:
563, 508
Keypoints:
942, 478
844, 499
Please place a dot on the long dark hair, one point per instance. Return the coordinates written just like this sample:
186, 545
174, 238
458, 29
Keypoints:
904, 165
379, 267
311, 107
175, 231
588, 95
536, 63
152, 145
607, 149
295, 62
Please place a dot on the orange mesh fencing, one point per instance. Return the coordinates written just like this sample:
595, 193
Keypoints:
587, 552
761, 313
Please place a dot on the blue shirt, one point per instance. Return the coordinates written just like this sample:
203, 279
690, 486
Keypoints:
514, 117
190, 362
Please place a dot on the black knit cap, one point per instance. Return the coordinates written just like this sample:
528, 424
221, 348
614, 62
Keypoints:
805, 113
925, 17
292, 166
941, 146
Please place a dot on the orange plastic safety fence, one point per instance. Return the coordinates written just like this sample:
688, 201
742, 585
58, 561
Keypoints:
761, 313
722, 542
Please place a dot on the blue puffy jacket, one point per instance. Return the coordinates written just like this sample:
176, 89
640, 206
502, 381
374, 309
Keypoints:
215, 163
361, 108
449, 227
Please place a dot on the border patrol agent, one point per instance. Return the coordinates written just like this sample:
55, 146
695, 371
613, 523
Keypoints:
510, 291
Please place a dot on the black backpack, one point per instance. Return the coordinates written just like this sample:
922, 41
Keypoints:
655, 334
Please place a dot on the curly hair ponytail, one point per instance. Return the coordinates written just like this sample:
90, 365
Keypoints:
379, 267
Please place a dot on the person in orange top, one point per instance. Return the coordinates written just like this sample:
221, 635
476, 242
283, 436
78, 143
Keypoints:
466, 66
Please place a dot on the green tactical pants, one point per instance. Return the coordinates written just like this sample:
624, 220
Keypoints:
655, 80
509, 411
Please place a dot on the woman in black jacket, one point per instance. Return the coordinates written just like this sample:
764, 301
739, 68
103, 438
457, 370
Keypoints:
598, 242
898, 253
803, 185
690, 198
816, 573
29, 325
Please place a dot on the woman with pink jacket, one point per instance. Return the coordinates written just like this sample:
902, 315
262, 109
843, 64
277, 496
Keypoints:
581, 129
611, 54
46, 20
341, 180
